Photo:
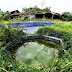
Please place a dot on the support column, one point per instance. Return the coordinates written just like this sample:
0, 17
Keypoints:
43, 16
52, 17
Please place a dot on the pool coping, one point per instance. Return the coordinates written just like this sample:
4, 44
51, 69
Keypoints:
48, 38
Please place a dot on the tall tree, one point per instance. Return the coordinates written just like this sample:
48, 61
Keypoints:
43, 3
67, 16
24, 9
0, 10
37, 8
47, 9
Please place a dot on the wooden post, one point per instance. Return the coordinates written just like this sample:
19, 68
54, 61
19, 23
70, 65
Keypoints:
52, 17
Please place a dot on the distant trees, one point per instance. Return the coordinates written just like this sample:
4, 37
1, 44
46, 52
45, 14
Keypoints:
47, 9
4, 15
42, 4
24, 9
32, 10
67, 16
1, 15
0, 10
35, 9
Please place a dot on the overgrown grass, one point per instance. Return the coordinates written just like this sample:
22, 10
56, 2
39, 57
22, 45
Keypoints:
63, 64
57, 21
63, 27
62, 31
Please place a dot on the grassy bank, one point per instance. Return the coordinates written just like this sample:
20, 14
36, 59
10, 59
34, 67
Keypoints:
7, 35
63, 64
61, 31
34, 20
64, 27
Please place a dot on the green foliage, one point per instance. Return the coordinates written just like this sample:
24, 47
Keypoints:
1, 15
25, 18
33, 10
4, 15
9, 34
62, 64
46, 9
67, 16
7, 63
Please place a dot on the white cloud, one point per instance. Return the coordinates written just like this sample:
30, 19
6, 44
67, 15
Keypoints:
56, 5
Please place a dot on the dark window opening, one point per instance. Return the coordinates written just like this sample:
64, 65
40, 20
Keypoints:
56, 17
48, 15
39, 15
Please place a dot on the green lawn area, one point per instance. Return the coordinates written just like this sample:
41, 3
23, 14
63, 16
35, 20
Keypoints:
63, 27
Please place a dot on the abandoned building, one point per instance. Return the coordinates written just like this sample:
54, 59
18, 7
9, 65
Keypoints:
48, 15
26, 13
39, 14
57, 16
14, 14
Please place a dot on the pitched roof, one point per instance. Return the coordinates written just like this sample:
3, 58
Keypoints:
41, 12
14, 11
15, 14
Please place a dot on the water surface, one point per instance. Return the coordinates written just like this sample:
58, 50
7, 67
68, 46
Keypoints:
31, 30
35, 52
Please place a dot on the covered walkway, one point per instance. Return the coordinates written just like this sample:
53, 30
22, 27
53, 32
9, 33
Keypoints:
48, 15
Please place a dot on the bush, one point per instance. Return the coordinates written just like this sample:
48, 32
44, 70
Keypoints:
67, 16
63, 64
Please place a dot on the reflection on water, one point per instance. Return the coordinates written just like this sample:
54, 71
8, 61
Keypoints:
31, 30
35, 52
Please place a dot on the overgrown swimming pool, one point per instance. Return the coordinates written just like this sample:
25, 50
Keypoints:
31, 30
36, 51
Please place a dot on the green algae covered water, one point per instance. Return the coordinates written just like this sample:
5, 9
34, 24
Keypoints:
32, 52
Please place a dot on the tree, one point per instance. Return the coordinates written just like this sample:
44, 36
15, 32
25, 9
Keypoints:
47, 9
24, 9
1, 15
37, 9
34, 9
31, 9
43, 3
6, 15
0, 10
6, 30
67, 16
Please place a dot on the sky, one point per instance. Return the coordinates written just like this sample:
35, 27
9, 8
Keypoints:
56, 5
